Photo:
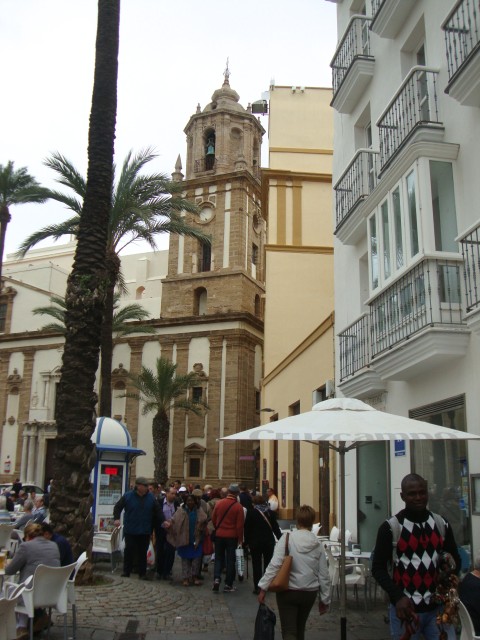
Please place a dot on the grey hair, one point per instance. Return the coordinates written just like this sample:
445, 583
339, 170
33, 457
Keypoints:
28, 505
3, 502
476, 562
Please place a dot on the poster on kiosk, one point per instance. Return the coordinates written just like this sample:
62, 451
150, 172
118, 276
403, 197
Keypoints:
114, 454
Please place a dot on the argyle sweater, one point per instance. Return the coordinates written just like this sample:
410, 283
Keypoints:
414, 559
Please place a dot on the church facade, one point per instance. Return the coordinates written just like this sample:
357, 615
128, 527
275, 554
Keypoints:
206, 303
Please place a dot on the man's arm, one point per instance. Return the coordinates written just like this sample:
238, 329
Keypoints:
450, 546
382, 560
118, 508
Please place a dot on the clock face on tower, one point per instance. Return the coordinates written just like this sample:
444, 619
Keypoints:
206, 214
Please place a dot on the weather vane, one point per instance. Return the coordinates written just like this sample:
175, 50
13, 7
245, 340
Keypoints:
226, 73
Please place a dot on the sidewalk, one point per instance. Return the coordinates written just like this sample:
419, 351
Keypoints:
130, 609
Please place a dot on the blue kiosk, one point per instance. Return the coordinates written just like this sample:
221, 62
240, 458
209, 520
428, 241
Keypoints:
111, 472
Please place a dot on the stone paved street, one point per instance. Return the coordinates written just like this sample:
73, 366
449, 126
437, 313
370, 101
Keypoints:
130, 609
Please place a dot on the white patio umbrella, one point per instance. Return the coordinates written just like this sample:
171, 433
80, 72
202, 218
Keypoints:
346, 423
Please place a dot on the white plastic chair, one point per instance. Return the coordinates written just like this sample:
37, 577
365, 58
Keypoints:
71, 592
107, 544
468, 630
48, 590
334, 533
5, 533
355, 575
8, 630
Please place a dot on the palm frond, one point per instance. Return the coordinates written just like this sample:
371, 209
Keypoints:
55, 231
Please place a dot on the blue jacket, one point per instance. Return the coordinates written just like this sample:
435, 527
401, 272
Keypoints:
142, 513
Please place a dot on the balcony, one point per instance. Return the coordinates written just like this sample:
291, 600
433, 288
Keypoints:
357, 380
412, 115
470, 243
356, 183
416, 324
389, 16
462, 41
352, 65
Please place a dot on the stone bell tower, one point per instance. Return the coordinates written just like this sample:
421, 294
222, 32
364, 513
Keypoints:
223, 179
213, 294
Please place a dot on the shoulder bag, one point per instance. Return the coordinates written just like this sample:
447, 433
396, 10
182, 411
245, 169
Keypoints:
213, 533
281, 580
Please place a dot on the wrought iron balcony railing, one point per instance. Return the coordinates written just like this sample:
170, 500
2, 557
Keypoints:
470, 244
462, 36
354, 347
356, 183
427, 295
354, 44
415, 104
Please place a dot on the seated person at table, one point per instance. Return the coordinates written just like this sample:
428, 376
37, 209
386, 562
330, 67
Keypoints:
26, 516
34, 551
66, 555
469, 592
40, 511
4, 514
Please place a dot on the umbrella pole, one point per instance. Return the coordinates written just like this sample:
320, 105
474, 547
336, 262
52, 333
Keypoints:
343, 607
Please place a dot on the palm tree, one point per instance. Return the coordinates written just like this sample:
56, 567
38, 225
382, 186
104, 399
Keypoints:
143, 206
71, 496
122, 318
159, 391
16, 187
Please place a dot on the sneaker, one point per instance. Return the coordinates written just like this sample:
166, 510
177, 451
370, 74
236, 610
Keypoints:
227, 589
216, 585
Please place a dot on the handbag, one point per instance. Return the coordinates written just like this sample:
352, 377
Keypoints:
281, 580
265, 623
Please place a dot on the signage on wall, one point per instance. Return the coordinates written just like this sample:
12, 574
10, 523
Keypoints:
284, 489
400, 448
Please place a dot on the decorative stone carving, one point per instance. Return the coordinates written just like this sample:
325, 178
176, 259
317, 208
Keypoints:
14, 381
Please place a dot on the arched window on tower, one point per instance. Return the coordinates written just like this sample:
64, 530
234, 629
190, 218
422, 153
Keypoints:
139, 293
200, 302
209, 140
258, 306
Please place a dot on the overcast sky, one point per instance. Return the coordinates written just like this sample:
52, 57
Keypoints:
172, 56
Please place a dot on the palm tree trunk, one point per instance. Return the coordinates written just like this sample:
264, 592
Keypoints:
5, 218
71, 492
105, 400
160, 434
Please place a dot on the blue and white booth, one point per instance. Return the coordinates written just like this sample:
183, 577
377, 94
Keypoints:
110, 475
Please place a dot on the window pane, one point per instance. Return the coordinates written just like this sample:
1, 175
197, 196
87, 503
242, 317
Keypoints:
373, 252
386, 241
194, 467
412, 214
443, 206
397, 223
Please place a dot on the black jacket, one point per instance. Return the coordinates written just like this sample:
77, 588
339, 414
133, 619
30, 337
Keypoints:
261, 528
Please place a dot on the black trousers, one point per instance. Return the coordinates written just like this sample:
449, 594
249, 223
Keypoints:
294, 608
260, 552
136, 545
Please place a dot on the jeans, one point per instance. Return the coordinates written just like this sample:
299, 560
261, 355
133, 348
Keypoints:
294, 608
427, 628
225, 556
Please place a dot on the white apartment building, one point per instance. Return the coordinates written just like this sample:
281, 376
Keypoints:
406, 96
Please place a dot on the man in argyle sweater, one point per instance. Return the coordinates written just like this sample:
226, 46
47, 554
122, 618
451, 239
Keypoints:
411, 543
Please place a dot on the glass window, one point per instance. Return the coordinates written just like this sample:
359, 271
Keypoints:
387, 272
197, 394
3, 316
412, 214
194, 467
373, 252
443, 206
398, 228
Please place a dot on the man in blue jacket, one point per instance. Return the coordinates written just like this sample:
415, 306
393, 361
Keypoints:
142, 515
